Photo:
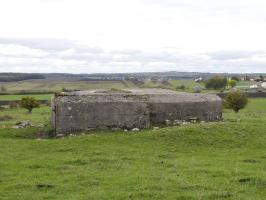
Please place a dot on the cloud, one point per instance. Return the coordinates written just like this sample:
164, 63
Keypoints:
233, 55
43, 44
52, 55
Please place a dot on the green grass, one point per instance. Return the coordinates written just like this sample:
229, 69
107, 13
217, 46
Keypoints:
19, 97
47, 86
187, 82
38, 115
224, 160
190, 84
246, 83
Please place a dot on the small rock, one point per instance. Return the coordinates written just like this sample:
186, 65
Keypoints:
168, 122
178, 123
125, 130
59, 135
135, 129
39, 125
193, 120
23, 124
156, 128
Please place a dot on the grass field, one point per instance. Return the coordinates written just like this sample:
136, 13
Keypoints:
224, 160
50, 86
54, 85
19, 97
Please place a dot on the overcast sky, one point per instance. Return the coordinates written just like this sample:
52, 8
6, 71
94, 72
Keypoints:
89, 36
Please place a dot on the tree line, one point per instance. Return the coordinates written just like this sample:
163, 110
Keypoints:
10, 77
218, 82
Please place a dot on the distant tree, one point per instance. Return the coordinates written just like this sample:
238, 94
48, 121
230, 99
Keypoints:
3, 88
235, 78
236, 100
29, 103
9, 77
232, 83
216, 83
64, 89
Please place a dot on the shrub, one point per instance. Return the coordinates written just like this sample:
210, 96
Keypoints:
236, 100
235, 78
29, 103
180, 87
232, 83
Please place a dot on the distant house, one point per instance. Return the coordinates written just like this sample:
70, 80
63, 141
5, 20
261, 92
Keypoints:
263, 85
197, 80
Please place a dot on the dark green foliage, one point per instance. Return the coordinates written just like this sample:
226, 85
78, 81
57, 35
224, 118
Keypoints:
232, 83
29, 103
235, 78
64, 89
216, 83
10, 77
180, 87
236, 100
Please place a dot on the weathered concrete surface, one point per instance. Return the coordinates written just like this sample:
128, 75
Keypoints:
183, 106
76, 113
86, 110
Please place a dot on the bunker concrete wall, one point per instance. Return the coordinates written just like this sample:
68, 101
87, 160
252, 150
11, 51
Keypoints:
182, 106
81, 115
204, 111
128, 111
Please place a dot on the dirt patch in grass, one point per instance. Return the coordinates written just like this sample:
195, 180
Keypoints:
250, 161
43, 186
244, 180
5, 118
220, 195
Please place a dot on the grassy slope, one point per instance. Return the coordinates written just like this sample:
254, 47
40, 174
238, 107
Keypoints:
225, 160
54, 85
40, 85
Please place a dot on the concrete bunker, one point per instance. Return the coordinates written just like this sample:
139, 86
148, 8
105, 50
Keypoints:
135, 108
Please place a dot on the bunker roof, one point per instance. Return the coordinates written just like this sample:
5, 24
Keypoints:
151, 95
